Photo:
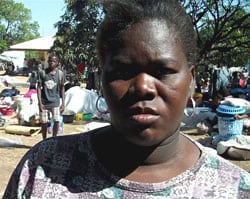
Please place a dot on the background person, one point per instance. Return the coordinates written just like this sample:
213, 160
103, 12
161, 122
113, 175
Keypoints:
33, 80
147, 52
49, 90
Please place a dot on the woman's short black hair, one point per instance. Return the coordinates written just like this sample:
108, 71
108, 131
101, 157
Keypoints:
121, 14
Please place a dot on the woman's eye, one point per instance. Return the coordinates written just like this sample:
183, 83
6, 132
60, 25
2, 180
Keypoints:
162, 72
122, 74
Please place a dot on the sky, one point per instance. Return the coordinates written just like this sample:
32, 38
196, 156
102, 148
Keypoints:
46, 13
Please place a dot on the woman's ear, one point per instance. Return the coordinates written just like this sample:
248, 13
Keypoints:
192, 72
192, 81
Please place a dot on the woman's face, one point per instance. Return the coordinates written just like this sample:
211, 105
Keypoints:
146, 83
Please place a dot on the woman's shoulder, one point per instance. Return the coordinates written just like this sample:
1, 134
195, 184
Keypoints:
66, 147
212, 161
221, 166
55, 146
58, 159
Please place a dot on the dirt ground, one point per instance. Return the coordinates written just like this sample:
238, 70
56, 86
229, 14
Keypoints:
10, 156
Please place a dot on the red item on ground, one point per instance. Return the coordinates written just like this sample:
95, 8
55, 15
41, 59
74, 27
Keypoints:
242, 83
6, 111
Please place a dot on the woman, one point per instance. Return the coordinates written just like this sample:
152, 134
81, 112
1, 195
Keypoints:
147, 53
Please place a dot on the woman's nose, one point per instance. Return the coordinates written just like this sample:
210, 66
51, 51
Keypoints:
144, 86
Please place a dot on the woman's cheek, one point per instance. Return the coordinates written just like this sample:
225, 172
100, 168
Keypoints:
117, 89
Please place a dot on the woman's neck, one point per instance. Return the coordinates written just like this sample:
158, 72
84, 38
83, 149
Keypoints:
122, 157
168, 150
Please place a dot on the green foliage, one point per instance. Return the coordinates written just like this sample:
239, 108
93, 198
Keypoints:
15, 25
222, 26
76, 34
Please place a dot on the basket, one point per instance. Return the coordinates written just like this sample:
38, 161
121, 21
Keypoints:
229, 111
227, 124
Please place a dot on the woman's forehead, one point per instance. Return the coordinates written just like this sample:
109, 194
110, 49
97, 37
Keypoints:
150, 39
154, 28
151, 33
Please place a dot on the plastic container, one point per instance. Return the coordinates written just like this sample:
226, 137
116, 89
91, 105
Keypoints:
79, 116
227, 124
51, 124
87, 116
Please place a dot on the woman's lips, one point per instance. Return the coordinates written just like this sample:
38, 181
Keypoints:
144, 119
143, 115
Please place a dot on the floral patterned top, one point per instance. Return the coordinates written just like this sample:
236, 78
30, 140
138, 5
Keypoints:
66, 167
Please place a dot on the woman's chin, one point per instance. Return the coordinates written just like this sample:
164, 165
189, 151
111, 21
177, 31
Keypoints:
142, 136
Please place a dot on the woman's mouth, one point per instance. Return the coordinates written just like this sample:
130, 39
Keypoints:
144, 119
144, 115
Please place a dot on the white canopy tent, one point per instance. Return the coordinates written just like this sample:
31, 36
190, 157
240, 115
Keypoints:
5, 58
17, 57
39, 44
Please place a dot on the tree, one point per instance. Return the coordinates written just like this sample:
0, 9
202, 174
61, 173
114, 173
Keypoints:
15, 24
222, 26
76, 33
223, 29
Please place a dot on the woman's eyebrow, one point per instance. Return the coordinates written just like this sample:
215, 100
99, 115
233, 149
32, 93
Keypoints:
164, 61
121, 60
